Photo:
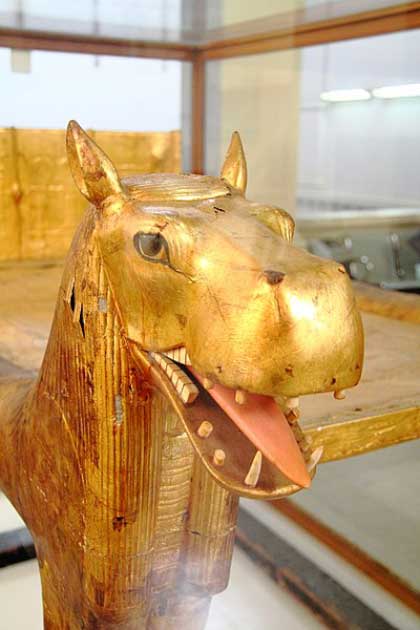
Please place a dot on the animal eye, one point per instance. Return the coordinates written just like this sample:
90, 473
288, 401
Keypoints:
151, 246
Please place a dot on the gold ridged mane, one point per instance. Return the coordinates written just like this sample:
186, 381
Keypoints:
175, 187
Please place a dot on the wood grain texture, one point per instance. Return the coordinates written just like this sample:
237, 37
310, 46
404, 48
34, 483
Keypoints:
104, 482
392, 304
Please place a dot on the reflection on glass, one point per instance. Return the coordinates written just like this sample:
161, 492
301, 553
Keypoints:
359, 152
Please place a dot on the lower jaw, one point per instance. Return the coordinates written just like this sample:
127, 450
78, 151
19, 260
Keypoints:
225, 451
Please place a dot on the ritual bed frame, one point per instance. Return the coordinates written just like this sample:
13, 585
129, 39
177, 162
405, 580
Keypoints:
372, 417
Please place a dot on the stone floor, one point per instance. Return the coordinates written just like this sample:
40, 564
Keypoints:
251, 602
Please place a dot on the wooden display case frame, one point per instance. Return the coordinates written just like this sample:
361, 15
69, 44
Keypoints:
296, 29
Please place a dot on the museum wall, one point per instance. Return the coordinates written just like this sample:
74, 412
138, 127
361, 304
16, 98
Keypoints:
113, 93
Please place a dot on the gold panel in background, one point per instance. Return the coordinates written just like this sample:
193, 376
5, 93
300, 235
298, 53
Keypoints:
40, 206
50, 206
9, 196
147, 152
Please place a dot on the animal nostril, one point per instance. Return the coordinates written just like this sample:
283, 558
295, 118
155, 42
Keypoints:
273, 277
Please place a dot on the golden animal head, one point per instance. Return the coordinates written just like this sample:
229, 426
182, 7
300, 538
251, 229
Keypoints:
232, 320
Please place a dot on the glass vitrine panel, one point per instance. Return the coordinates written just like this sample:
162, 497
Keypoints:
331, 134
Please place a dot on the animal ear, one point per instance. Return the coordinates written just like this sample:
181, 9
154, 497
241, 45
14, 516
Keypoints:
93, 172
279, 221
234, 170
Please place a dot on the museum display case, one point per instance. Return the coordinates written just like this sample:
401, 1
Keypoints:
326, 97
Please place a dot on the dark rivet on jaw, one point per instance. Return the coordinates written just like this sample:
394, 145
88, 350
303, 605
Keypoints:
273, 277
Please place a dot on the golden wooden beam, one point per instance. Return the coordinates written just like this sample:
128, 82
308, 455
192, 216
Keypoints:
348, 438
385, 410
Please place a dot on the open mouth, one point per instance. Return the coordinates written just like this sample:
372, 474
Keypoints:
252, 444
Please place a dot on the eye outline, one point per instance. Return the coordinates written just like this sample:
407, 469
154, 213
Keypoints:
164, 247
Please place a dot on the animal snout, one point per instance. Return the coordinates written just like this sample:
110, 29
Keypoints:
273, 277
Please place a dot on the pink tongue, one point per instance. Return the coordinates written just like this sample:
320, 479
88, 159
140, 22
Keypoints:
265, 425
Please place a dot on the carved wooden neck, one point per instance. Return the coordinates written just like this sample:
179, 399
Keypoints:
129, 527
114, 424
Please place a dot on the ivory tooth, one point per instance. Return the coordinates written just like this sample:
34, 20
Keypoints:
179, 386
292, 403
207, 383
219, 457
340, 394
240, 397
254, 470
158, 358
189, 393
175, 378
315, 457
205, 429
162, 362
177, 354
185, 388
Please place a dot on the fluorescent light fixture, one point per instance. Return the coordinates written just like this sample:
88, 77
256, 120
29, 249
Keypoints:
397, 91
345, 96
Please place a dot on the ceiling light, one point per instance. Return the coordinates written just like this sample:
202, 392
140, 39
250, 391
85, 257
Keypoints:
397, 91
345, 96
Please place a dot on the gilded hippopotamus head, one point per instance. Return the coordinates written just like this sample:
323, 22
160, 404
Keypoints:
234, 321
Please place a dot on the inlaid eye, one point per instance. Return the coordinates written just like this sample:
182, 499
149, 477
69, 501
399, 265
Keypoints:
153, 247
